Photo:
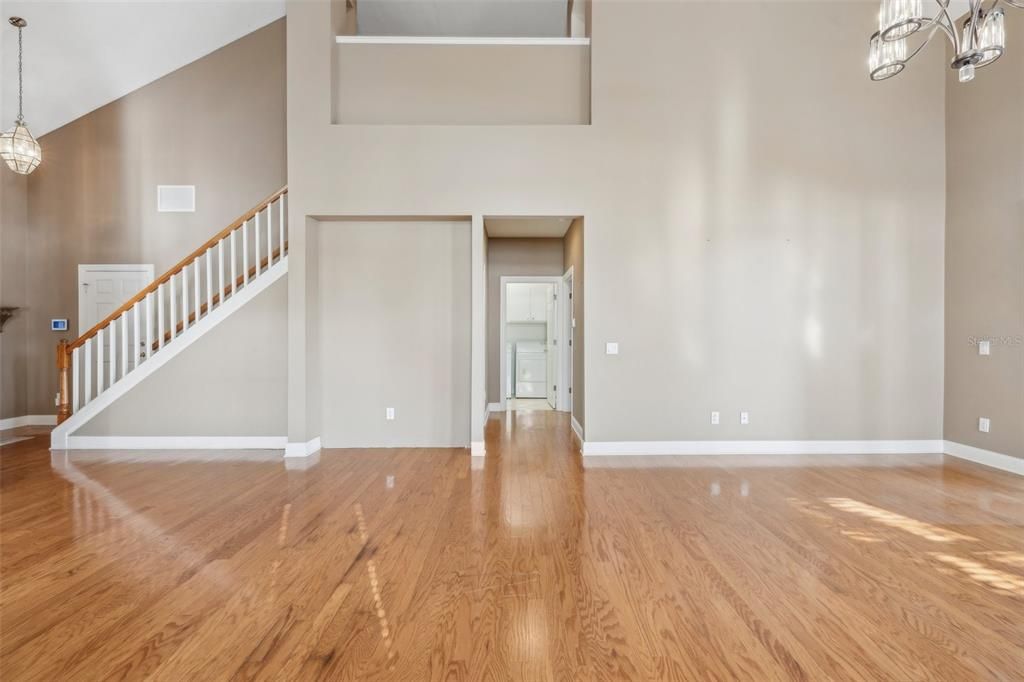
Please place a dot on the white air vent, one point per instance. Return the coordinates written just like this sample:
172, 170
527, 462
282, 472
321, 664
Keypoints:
176, 198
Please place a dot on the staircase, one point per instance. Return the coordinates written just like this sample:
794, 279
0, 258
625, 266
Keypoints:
171, 313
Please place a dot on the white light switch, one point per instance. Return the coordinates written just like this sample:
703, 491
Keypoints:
611, 348
983, 424
744, 417
389, 414
984, 348
715, 417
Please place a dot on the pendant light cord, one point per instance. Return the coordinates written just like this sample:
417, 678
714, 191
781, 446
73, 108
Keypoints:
21, 113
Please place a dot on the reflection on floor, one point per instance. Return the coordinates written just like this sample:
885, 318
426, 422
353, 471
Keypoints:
531, 563
519, 404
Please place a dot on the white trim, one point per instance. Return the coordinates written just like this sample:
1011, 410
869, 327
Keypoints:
59, 437
301, 449
996, 460
494, 407
145, 268
764, 447
28, 420
566, 359
459, 40
176, 442
577, 429
505, 280
477, 448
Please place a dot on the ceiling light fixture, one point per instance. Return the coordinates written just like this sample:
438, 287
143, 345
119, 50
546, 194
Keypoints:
17, 146
979, 41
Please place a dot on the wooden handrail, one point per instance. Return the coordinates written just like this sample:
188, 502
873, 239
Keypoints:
249, 215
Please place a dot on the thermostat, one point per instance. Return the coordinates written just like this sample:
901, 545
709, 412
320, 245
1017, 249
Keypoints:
59, 325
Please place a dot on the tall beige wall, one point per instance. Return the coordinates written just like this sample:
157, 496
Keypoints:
13, 257
985, 252
507, 257
764, 225
573, 258
218, 123
394, 329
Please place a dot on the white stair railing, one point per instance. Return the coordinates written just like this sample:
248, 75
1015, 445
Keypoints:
173, 303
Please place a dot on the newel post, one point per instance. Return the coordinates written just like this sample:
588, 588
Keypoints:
63, 369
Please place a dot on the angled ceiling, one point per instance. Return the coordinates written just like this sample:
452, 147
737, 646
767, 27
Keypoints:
476, 18
81, 55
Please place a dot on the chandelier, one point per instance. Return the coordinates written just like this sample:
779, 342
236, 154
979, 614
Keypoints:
17, 146
979, 39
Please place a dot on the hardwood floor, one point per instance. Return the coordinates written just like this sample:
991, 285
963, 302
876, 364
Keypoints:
528, 565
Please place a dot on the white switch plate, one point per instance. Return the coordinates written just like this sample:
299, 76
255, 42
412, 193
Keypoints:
744, 417
611, 348
389, 414
983, 424
984, 348
715, 417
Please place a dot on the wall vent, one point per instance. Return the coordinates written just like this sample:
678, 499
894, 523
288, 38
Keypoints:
176, 198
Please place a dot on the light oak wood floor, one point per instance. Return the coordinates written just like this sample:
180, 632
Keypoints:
531, 564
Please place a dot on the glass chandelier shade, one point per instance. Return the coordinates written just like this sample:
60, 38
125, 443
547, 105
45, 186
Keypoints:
20, 150
886, 58
898, 19
978, 40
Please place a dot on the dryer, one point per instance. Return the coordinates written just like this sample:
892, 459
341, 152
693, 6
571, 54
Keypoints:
531, 369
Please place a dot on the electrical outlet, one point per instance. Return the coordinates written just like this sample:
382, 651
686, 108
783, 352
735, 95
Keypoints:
744, 418
983, 424
715, 417
389, 414
389, 482
984, 348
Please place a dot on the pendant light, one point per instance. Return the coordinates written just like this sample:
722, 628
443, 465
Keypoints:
17, 146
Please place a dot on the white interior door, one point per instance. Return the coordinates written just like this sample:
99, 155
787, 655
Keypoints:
102, 289
551, 308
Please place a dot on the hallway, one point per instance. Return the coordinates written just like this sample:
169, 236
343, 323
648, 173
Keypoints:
528, 564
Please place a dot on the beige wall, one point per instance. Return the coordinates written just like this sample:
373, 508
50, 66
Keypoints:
985, 252
230, 382
573, 258
764, 224
13, 259
506, 257
443, 84
395, 332
218, 123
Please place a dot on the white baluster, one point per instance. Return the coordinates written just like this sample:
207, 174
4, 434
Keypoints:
209, 280
148, 350
270, 237
160, 316
124, 344
74, 380
198, 297
113, 352
136, 309
257, 246
88, 370
234, 259
220, 270
99, 362
245, 252
280, 221
184, 298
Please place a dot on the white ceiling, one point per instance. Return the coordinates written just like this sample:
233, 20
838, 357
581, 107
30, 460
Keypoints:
82, 54
527, 227
476, 18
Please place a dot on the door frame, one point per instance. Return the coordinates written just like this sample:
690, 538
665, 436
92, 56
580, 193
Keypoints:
558, 281
83, 269
569, 334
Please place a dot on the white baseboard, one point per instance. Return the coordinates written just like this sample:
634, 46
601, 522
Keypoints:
302, 449
176, 442
494, 407
996, 460
577, 429
477, 449
28, 420
764, 447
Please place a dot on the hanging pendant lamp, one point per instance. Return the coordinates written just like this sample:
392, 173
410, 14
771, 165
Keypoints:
17, 146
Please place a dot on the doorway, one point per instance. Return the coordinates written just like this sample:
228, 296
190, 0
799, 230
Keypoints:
531, 344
